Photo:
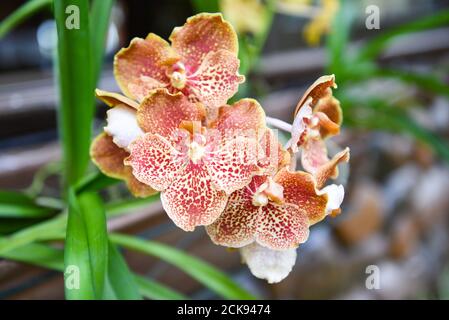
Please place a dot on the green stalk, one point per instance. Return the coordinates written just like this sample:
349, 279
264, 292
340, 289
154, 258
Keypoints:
75, 78
21, 14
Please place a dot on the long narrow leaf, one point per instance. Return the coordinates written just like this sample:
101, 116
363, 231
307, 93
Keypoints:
120, 278
375, 46
100, 13
19, 205
48, 257
86, 245
75, 77
154, 290
21, 14
47, 230
197, 269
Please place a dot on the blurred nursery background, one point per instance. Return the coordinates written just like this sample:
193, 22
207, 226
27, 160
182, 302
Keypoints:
392, 71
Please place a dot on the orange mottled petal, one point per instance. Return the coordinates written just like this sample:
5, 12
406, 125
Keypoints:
154, 161
162, 112
137, 188
244, 116
109, 158
234, 164
319, 89
142, 66
236, 226
330, 168
330, 106
217, 79
113, 99
191, 200
201, 34
282, 227
300, 190
314, 154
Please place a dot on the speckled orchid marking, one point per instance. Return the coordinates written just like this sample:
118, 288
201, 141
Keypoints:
214, 164
195, 167
201, 62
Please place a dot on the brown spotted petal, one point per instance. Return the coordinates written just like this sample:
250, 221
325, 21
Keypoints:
246, 117
330, 168
109, 158
113, 99
192, 200
201, 34
162, 112
217, 79
236, 226
300, 190
143, 66
319, 89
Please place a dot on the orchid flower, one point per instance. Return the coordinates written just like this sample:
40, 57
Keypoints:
318, 116
201, 62
275, 213
214, 164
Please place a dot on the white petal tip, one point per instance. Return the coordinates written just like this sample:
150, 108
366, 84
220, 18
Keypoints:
268, 264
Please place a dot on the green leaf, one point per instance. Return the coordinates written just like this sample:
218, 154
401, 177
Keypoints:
37, 254
52, 258
154, 290
100, 13
375, 46
76, 86
19, 205
120, 278
21, 14
47, 230
206, 5
338, 39
203, 272
117, 208
377, 114
427, 82
95, 182
87, 244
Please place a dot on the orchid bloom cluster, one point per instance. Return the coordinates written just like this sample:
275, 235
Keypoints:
218, 165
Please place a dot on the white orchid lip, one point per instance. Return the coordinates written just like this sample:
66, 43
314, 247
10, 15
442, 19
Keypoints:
268, 264
122, 125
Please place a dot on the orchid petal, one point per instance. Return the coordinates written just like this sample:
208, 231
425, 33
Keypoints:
236, 226
217, 79
143, 65
201, 34
319, 89
109, 158
113, 99
330, 168
191, 200
300, 190
234, 164
335, 195
299, 126
162, 113
154, 161
282, 227
122, 125
271, 265
244, 116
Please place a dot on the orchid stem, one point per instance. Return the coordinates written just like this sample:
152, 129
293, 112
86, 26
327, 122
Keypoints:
277, 123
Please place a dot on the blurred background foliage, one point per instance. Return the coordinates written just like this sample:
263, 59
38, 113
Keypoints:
393, 86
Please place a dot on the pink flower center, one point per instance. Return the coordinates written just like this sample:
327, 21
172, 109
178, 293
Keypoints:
268, 191
178, 77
